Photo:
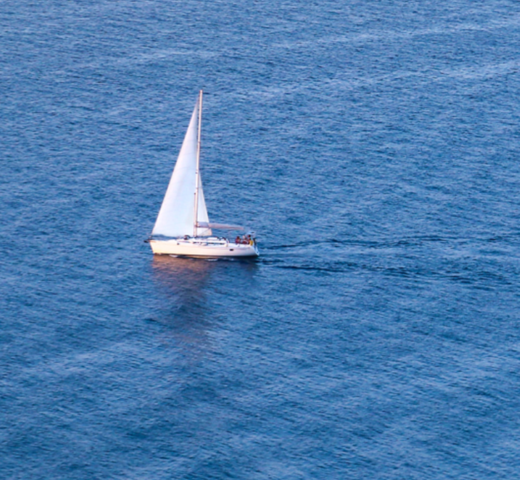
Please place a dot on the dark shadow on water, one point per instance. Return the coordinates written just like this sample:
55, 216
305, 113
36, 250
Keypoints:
187, 286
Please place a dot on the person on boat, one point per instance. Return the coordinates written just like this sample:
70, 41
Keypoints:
237, 240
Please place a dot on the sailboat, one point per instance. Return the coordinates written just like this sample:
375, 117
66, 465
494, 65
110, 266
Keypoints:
182, 227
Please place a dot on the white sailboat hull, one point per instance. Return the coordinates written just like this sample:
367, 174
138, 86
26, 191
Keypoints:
203, 247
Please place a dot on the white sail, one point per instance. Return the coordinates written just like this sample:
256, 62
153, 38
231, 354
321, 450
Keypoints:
176, 216
202, 215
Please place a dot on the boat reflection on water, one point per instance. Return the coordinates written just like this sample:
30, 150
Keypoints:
187, 286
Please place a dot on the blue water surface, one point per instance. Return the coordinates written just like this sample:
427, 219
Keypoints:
373, 146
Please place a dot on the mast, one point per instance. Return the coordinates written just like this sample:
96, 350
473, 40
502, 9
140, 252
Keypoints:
197, 170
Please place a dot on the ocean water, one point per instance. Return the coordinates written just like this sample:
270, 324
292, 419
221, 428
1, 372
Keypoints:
375, 149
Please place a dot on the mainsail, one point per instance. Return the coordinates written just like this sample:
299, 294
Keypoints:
177, 214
